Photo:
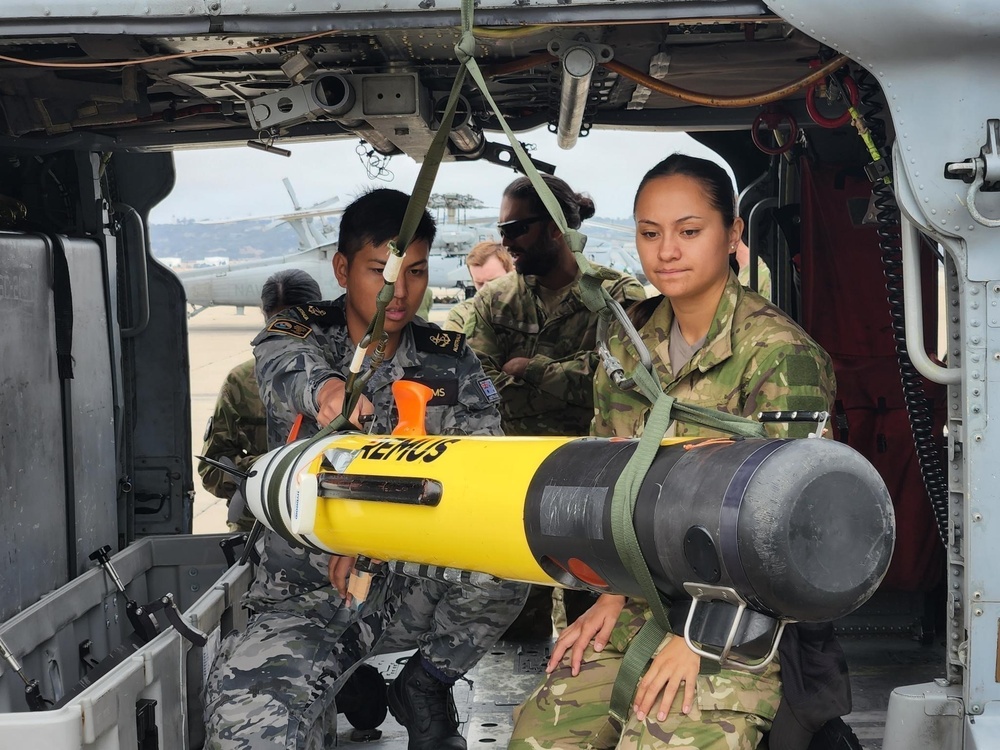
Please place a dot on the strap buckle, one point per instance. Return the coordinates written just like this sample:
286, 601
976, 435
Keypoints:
727, 657
614, 368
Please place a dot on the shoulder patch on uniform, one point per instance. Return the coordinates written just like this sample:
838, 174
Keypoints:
489, 390
436, 340
802, 369
208, 428
292, 328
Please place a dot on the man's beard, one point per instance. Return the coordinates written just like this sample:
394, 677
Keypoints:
539, 259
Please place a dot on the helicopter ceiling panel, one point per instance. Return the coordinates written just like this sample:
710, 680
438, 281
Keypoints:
257, 71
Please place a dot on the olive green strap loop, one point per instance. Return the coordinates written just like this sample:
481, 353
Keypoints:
641, 649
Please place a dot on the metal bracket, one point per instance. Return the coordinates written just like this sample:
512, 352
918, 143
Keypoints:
503, 155
32, 689
978, 171
820, 418
579, 60
141, 615
701, 592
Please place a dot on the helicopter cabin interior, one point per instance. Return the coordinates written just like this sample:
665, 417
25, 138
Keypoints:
94, 395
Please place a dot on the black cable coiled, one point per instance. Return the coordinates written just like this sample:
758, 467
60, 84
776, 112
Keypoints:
918, 407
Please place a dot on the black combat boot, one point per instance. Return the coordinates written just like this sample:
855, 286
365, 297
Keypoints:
426, 707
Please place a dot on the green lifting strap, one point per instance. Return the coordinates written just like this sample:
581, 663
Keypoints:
594, 295
416, 205
640, 650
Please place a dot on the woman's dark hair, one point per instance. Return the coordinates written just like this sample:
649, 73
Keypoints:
576, 207
376, 217
287, 288
713, 178
717, 186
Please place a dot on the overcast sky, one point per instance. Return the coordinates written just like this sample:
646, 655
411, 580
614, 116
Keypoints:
224, 183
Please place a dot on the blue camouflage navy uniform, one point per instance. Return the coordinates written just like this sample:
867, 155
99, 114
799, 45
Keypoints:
273, 686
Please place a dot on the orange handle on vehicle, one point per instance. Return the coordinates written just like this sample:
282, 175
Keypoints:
293, 434
411, 401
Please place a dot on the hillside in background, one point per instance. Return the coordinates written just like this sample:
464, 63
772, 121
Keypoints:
246, 240
242, 240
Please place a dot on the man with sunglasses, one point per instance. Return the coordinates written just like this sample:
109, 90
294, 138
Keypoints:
536, 339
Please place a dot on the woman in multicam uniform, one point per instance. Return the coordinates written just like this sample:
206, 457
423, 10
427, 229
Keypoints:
714, 343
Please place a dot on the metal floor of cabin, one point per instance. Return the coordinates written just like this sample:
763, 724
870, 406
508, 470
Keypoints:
511, 670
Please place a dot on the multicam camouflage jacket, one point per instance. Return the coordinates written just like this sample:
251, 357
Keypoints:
236, 430
299, 350
763, 279
555, 396
459, 316
755, 358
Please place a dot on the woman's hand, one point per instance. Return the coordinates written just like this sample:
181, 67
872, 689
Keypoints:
675, 666
595, 624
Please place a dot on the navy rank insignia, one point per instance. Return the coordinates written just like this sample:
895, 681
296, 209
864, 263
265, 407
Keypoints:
441, 339
436, 340
310, 311
299, 330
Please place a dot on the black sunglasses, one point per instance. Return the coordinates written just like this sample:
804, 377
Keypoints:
511, 230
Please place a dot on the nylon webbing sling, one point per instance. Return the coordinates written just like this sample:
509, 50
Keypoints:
640, 649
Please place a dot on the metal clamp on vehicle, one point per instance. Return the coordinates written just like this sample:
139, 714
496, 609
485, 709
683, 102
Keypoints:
141, 615
32, 690
718, 619
820, 418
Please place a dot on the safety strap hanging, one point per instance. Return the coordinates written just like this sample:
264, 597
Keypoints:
594, 295
641, 649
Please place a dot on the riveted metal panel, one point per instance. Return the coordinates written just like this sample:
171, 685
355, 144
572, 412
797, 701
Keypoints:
177, 16
936, 64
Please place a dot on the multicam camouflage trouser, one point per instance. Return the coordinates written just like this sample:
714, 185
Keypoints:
273, 686
732, 709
